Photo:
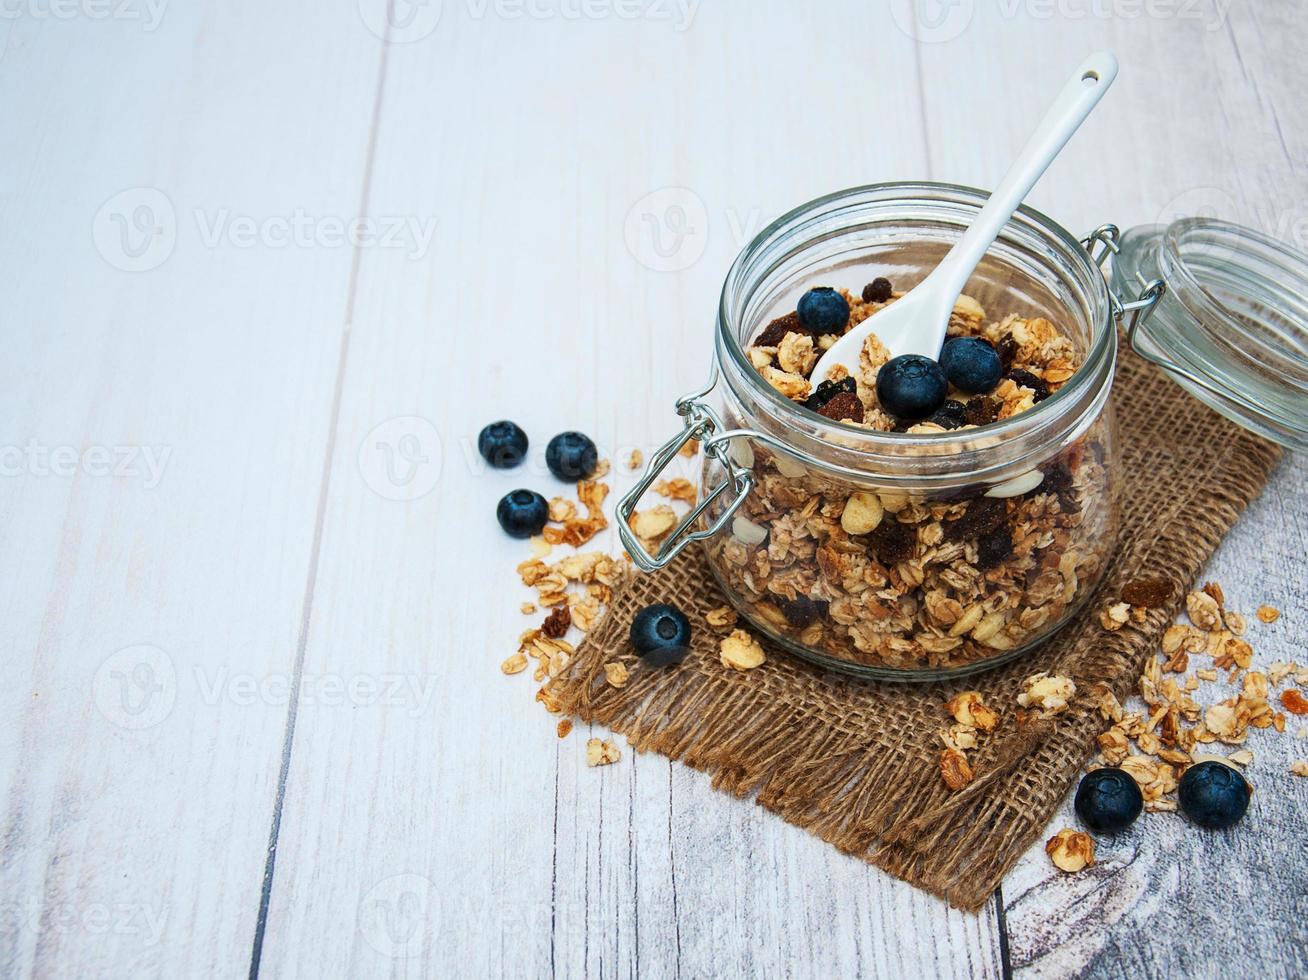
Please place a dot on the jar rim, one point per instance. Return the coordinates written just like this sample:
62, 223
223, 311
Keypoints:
1100, 355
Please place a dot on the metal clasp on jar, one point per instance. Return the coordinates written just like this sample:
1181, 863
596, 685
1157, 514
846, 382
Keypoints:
1140, 308
703, 424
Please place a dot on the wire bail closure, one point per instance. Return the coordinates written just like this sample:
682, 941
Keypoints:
700, 423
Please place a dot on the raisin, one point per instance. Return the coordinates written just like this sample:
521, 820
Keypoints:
877, 291
800, 611
843, 407
827, 390
981, 411
1058, 479
1028, 380
557, 622
1149, 593
994, 547
951, 415
776, 331
983, 515
1007, 350
894, 542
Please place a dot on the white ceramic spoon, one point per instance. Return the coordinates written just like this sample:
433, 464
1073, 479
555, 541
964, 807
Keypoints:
915, 323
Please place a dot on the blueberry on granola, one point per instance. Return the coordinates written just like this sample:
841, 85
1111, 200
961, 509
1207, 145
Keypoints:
571, 456
1214, 795
823, 310
911, 387
522, 513
971, 364
1108, 800
661, 634
502, 444
878, 290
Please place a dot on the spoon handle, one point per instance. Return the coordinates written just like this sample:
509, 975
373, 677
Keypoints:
1081, 94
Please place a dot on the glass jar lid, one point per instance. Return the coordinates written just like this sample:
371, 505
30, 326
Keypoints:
1232, 325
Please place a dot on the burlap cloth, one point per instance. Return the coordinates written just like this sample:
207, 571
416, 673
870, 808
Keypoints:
857, 763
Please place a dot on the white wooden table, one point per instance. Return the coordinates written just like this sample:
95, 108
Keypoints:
264, 278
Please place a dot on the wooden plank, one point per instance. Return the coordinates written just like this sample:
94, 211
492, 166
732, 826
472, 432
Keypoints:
464, 834
1198, 123
163, 434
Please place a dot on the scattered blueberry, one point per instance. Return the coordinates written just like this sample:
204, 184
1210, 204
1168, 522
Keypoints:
1214, 795
950, 415
571, 456
878, 290
522, 513
502, 444
823, 310
1108, 800
911, 386
661, 634
971, 364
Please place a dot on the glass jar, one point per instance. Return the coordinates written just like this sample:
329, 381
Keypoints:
895, 555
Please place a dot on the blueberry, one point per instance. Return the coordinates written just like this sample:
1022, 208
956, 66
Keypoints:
502, 444
1214, 795
971, 364
1108, 800
823, 310
911, 386
571, 456
661, 634
522, 513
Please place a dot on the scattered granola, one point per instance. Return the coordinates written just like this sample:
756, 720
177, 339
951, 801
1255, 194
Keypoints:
1047, 693
601, 752
528, 608
1071, 850
1115, 616
1299, 767
954, 769
515, 664
722, 618
564, 727
1294, 702
635, 460
616, 674
969, 709
741, 651
677, 489
1269, 614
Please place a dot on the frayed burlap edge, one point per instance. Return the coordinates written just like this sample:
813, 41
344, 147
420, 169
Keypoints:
855, 762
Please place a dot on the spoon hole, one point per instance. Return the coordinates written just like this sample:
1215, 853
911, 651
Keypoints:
1090, 78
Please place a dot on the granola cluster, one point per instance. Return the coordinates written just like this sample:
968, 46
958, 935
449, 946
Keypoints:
1037, 359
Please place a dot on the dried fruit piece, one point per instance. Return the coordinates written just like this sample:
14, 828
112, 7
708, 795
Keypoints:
878, 290
1150, 593
981, 411
557, 622
1294, 702
844, 407
800, 611
993, 548
564, 727
601, 752
1026, 379
1071, 850
954, 769
893, 542
741, 651
776, 331
983, 515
